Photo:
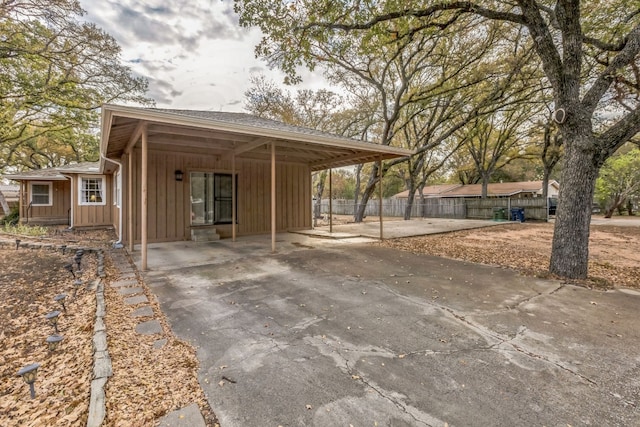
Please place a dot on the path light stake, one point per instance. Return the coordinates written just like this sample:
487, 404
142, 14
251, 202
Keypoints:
77, 284
60, 298
64, 249
53, 341
53, 319
18, 244
28, 374
69, 268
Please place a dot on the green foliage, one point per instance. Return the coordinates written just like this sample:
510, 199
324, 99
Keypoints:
12, 218
619, 181
55, 73
25, 230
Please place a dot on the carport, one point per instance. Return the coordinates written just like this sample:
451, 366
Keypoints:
261, 170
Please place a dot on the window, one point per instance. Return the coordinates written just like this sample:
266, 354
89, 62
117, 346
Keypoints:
211, 200
117, 193
41, 194
91, 191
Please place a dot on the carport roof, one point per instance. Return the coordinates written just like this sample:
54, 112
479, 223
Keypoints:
224, 133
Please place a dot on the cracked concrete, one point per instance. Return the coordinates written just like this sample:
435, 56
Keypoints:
322, 335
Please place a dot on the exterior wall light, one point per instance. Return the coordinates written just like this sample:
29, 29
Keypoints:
179, 175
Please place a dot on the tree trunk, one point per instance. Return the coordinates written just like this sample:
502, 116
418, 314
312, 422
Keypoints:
317, 207
410, 199
367, 193
629, 207
4, 204
545, 183
485, 185
570, 248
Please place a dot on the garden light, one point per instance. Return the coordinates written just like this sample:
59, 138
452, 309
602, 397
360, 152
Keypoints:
60, 299
69, 268
53, 341
18, 244
53, 319
28, 374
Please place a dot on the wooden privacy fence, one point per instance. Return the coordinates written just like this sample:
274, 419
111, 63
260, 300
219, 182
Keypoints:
458, 208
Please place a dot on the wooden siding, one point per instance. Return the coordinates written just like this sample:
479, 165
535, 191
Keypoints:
169, 212
93, 215
57, 213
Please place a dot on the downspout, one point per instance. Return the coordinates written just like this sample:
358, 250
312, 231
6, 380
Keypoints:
71, 209
118, 244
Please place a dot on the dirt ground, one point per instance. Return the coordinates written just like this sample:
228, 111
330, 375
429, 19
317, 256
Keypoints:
146, 383
614, 251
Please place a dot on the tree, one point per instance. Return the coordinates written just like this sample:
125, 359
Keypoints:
619, 182
589, 53
55, 73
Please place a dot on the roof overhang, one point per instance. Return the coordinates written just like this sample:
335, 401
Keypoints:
122, 126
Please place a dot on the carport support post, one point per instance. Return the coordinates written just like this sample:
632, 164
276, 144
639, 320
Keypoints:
233, 197
380, 195
273, 197
144, 186
130, 209
330, 202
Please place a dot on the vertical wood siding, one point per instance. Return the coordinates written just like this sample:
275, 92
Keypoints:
169, 200
94, 215
58, 212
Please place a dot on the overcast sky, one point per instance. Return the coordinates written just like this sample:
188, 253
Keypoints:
193, 52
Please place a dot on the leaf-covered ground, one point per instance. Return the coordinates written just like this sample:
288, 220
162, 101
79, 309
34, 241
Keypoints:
147, 382
614, 252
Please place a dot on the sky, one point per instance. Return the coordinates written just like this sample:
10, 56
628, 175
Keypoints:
194, 53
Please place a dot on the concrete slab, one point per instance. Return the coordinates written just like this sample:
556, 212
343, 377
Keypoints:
124, 283
330, 334
188, 416
145, 311
130, 291
150, 327
138, 299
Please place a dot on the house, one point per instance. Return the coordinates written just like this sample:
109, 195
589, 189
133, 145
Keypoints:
9, 197
171, 175
520, 190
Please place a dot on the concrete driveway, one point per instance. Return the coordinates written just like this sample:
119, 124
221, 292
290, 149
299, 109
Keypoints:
329, 334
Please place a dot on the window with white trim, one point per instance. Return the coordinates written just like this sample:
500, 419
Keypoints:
117, 192
91, 190
41, 194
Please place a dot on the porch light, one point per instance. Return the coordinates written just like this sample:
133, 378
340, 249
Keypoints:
60, 299
53, 319
28, 374
179, 175
53, 341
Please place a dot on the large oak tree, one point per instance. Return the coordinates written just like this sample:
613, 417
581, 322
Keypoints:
589, 52
55, 73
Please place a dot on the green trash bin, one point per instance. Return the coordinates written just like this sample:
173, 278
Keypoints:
499, 214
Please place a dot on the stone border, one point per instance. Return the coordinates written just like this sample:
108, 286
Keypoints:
102, 369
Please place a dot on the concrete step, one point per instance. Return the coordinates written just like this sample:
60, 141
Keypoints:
205, 234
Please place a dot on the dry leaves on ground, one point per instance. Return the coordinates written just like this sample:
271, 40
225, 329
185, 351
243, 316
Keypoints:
147, 382
30, 279
614, 251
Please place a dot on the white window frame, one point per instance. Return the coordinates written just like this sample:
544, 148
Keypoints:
117, 191
81, 198
48, 184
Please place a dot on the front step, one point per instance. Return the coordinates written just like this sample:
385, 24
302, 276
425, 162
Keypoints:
204, 234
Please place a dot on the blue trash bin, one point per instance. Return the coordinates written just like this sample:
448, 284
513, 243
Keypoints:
517, 214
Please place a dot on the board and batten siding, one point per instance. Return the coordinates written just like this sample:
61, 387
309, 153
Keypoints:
93, 215
57, 213
169, 203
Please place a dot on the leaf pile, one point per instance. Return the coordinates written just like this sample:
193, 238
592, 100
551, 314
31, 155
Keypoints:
30, 279
614, 259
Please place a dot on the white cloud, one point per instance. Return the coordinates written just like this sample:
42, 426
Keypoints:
193, 52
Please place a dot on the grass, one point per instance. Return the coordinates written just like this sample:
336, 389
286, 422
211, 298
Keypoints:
25, 230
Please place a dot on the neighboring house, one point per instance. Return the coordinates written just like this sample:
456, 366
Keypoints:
9, 197
170, 175
526, 189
